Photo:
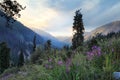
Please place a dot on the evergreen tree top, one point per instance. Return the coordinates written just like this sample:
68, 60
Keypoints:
11, 8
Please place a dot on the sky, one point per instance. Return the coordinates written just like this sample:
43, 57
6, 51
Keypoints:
56, 16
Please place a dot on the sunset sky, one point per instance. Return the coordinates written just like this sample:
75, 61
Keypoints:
56, 16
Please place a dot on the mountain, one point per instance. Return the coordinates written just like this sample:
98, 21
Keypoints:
17, 36
105, 29
46, 36
65, 39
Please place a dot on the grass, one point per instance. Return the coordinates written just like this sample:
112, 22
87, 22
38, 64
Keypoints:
70, 65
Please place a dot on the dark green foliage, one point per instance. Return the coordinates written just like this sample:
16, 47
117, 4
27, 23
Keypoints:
69, 54
21, 59
66, 47
48, 45
99, 38
4, 57
34, 43
78, 27
37, 56
95, 40
92, 43
11, 10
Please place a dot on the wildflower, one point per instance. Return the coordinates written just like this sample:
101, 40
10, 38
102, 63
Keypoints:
50, 60
68, 62
46, 66
112, 49
60, 62
94, 47
96, 51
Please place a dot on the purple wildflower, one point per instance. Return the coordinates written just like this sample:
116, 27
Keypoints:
68, 62
60, 62
46, 66
50, 60
96, 51
112, 49
94, 47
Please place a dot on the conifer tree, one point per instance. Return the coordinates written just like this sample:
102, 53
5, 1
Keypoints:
34, 42
48, 45
4, 56
21, 59
78, 29
11, 10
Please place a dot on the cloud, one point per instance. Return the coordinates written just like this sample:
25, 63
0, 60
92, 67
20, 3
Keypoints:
89, 4
46, 18
56, 16
112, 13
37, 16
64, 5
106, 16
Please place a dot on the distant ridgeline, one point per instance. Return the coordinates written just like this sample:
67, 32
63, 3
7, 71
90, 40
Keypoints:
104, 30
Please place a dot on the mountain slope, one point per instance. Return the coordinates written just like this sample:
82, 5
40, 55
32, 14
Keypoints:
46, 36
20, 37
105, 29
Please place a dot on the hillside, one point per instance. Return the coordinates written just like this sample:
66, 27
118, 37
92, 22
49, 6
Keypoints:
105, 29
46, 36
20, 37
65, 39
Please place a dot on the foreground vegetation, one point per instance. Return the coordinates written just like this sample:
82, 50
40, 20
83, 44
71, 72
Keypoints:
95, 59
85, 63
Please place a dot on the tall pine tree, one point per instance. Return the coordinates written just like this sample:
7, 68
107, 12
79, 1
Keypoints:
48, 45
4, 57
78, 29
34, 43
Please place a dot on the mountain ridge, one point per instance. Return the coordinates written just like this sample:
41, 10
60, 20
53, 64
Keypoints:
104, 29
18, 36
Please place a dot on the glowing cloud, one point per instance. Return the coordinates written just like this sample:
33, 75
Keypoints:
56, 16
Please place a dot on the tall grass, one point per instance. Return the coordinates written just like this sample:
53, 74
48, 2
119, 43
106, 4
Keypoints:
97, 63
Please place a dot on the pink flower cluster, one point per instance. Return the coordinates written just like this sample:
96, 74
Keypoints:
60, 62
96, 51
